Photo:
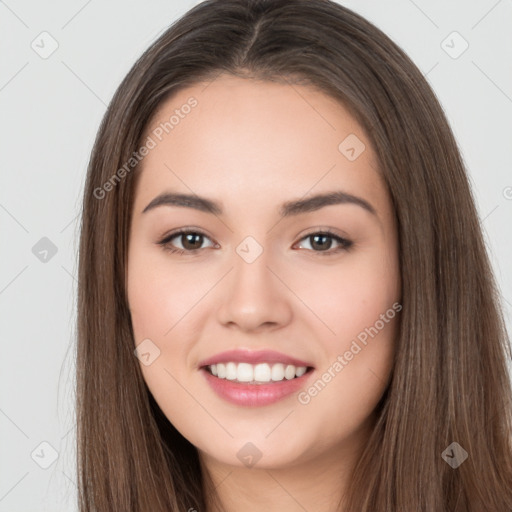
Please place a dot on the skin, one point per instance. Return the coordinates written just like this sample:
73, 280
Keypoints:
252, 145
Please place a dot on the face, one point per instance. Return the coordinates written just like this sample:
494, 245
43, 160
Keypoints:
267, 317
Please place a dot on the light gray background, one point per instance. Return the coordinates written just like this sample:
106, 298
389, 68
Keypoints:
51, 109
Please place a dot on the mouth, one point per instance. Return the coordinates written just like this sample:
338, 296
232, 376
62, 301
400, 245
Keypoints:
250, 378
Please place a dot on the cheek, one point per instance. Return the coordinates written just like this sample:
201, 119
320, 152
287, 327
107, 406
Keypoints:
358, 305
148, 306
159, 301
160, 296
352, 296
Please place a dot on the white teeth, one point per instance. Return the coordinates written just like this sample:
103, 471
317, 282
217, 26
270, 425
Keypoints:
261, 372
278, 372
300, 371
231, 371
245, 372
289, 372
221, 371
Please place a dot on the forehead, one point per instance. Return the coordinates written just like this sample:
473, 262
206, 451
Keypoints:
260, 140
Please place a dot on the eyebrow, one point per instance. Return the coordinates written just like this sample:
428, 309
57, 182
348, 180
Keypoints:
287, 209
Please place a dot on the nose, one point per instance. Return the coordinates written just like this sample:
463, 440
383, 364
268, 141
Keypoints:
254, 296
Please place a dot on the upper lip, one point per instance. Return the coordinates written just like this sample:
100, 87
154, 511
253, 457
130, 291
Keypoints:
253, 357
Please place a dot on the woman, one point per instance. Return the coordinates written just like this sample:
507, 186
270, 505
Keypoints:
285, 300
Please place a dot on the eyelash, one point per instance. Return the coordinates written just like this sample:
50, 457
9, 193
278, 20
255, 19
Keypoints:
166, 242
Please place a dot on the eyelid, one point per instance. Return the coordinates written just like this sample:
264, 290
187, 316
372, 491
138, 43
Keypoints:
326, 231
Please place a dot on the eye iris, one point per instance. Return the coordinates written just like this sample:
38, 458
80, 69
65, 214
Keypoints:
192, 238
322, 244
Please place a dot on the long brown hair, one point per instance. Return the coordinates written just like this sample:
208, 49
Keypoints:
450, 382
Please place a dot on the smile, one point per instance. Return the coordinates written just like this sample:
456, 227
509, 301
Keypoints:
255, 378
255, 385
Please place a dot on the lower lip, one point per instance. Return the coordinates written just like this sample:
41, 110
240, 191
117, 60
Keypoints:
255, 394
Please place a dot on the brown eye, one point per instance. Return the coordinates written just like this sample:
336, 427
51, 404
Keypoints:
190, 241
321, 242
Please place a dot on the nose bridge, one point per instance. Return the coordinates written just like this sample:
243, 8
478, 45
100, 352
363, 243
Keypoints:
251, 276
251, 265
254, 296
